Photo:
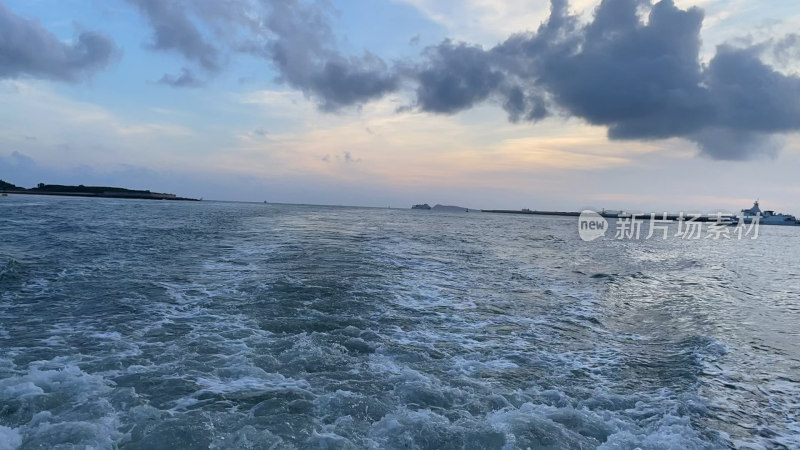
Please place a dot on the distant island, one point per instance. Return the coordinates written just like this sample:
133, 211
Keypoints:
9, 187
88, 191
441, 208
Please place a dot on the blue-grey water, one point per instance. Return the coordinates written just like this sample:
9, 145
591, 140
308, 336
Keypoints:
144, 325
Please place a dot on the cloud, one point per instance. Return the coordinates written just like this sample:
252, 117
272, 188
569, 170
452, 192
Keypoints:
185, 79
299, 42
455, 77
174, 30
736, 145
27, 49
345, 157
342, 82
641, 80
634, 67
483, 21
294, 36
787, 49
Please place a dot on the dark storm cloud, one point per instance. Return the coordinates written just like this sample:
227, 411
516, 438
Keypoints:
292, 35
456, 77
344, 82
26, 48
641, 79
298, 41
750, 102
174, 30
645, 81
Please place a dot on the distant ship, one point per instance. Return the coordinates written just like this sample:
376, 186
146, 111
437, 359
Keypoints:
765, 217
422, 206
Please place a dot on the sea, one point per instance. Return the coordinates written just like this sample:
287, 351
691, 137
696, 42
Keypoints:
143, 324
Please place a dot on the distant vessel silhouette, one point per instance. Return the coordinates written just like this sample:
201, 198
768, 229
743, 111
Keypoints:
422, 206
765, 217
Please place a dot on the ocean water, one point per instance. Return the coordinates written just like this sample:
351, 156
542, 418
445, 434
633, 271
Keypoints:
145, 325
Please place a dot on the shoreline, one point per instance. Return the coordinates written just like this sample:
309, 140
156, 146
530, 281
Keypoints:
659, 216
139, 196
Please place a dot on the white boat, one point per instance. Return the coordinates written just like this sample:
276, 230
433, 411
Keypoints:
765, 217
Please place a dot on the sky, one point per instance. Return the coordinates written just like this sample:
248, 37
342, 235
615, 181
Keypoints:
676, 105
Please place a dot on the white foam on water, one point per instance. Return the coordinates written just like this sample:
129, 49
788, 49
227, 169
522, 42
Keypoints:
53, 341
85, 416
16, 388
329, 440
184, 403
17, 204
597, 428
101, 433
10, 438
463, 352
471, 367
250, 384
670, 433
110, 335
249, 437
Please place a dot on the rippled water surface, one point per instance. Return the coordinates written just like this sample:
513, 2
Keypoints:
142, 324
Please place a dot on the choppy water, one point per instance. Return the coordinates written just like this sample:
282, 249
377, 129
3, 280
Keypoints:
141, 324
